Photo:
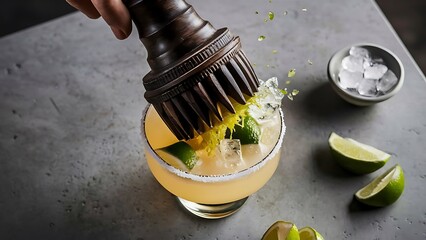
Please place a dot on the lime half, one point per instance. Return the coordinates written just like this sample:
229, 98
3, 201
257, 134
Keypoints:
281, 230
179, 153
308, 233
384, 190
248, 132
355, 156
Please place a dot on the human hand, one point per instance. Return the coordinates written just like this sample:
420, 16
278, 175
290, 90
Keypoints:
114, 12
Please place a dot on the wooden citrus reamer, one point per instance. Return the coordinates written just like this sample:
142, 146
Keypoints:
193, 66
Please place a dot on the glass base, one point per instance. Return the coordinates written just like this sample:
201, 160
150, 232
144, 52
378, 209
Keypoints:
212, 211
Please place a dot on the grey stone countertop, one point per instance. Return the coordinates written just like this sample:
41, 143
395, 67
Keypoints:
71, 161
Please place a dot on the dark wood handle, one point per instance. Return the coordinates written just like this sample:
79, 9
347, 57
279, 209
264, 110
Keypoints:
169, 30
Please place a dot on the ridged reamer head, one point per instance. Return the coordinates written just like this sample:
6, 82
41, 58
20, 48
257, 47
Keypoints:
194, 67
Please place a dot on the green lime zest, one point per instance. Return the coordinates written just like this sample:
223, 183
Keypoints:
271, 15
212, 137
294, 92
291, 73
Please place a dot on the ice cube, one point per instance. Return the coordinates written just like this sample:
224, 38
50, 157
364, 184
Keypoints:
388, 80
353, 64
376, 71
349, 79
267, 133
271, 82
378, 60
359, 52
230, 150
270, 88
268, 101
367, 87
263, 113
367, 63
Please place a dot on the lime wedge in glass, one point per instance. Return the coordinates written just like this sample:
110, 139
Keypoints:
281, 230
384, 190
308, 233
355, 156
248, 132
180, 155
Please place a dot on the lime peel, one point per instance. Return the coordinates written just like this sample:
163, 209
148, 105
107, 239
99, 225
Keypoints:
383, 190
355, 156
183, 152
247, 131
308, 233
281, 230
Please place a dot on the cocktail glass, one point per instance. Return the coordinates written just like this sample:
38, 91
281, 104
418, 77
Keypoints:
207, 196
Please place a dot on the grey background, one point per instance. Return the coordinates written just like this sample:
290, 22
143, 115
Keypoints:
71, 163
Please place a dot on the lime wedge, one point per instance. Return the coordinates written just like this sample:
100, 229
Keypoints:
355, 156
308, 233
281, 230
181, 152
384, 190
248, 132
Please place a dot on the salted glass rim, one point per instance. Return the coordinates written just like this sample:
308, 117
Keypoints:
218, 177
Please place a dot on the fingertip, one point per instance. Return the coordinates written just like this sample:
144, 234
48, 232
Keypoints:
119, 34
92, 15
116, 15
128, 29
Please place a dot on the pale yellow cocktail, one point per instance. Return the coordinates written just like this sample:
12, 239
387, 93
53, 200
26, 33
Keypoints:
213, 182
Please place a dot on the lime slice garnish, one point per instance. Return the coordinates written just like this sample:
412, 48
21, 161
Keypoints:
355, 156
281, 230
384, 190
248, 132
308, 233
182, 153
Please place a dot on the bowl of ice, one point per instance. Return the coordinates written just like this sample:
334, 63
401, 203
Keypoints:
365, 74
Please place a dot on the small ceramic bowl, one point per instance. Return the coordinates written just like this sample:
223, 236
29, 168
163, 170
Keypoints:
391, 61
